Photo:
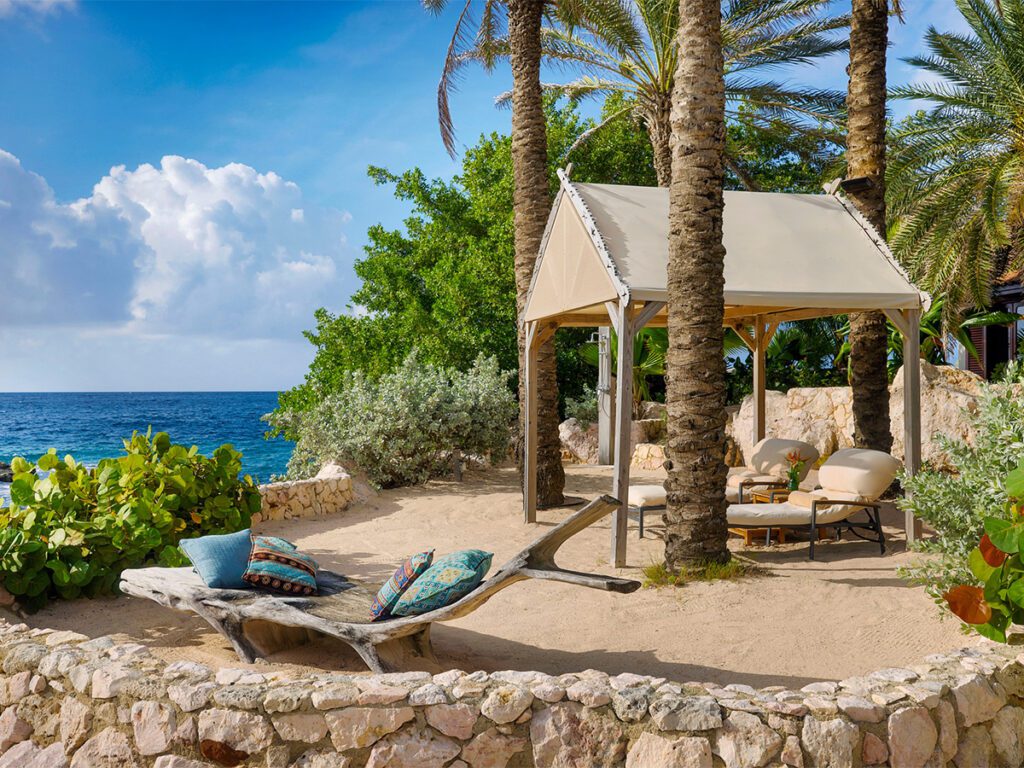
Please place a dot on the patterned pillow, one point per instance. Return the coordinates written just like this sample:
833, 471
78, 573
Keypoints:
449, 579
276, 565
393, 588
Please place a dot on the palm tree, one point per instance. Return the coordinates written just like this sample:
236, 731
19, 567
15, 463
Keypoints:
531, 199
630, 47
695, 522
957, 172
865, 158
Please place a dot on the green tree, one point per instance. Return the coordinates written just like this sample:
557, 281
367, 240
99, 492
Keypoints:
956, 173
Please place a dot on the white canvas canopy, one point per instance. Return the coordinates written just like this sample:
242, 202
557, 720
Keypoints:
603, 262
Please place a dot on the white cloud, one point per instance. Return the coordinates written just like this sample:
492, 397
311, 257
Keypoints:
180, 249
37, 7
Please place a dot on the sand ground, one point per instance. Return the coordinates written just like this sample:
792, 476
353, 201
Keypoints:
846, 613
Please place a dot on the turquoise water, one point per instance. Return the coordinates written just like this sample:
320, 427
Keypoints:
91, 425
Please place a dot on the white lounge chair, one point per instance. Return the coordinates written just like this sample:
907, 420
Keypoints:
768, 467
851, 481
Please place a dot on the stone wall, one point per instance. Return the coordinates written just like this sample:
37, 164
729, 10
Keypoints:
72, 702
329, 491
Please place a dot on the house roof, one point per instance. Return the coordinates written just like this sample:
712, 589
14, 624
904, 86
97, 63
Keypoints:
787, 256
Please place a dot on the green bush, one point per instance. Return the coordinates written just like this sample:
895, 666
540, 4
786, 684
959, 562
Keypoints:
403, 428
70, 530
957, 504
584, 408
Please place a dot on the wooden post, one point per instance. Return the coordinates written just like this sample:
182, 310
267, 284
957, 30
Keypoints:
530, 427
623, 434
759, 380
605, 398
911, 406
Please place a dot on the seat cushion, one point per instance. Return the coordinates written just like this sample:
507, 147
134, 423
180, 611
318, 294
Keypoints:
221, 559
448, 580
277, 566
393, 589
766, 515
749, 476
771, 457
860, 471
647, 495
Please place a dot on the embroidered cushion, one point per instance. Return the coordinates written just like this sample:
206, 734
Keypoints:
277, 566
449, 579
220, 560
392, 589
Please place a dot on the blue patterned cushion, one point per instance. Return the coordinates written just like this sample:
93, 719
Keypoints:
449, 579
220, 560
392, 589
277, 566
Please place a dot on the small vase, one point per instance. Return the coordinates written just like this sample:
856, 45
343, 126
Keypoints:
794, 483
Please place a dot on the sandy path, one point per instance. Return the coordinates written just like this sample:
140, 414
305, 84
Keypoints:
846, 613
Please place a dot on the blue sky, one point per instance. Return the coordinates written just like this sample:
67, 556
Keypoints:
182, 184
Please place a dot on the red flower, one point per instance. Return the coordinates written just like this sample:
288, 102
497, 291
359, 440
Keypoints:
992, 554
968, 603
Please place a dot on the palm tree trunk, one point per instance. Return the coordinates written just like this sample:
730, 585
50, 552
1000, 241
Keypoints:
695, 518
865, 157
658, 119
532, 203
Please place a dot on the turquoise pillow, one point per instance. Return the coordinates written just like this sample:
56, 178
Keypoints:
391, 590
220, 560
448, 580
277, 566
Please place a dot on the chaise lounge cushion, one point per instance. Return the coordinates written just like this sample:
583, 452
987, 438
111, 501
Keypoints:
220, 559
647, 496
770, 457
859, 470
393, 589
448, 580
773, 515
277, 566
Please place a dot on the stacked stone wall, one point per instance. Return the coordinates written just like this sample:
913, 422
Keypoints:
330, 491
73, 702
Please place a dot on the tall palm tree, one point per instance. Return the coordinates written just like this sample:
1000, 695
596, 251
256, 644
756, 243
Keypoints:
630, 47
695, 522
530, 197
865, 158
956, 179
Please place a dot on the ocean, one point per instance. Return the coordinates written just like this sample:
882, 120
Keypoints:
91, 425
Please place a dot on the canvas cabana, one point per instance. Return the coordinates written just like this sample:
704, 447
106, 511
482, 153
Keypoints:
603, 263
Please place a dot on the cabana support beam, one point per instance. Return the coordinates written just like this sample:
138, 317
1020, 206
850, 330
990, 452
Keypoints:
623, 433
605, 395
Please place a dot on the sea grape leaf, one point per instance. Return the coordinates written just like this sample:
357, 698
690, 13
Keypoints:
992, 554
1005, 534
1015, 482
979, 567
968, 604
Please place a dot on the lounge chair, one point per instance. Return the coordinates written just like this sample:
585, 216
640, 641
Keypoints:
851, 481
768, 467
259, 623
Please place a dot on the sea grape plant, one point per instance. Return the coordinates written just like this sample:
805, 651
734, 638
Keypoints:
70, 530
997, 564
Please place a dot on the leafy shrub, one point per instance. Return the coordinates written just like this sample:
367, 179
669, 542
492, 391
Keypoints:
71, 530
956, 505
402, 428
583, 409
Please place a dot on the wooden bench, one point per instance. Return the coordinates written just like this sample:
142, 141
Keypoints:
259, 623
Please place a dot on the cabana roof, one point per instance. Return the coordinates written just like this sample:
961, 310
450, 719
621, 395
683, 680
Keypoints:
788, 256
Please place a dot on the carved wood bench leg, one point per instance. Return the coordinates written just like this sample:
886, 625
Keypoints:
233, 631
409, 652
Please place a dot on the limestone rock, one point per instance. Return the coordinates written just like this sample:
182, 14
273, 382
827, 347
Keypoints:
412, 749
631, 704
976, 749
107, 749
686, 713
976, 701
12, 729
154, 726
830, 743
686, 752
568, 735
873, 751
589, 693
1008, 736
745, 742
240, 731
492, 749
360, 726
309, 727
174, 761
75, 723
912, 737
792, 752
948, 738
320, 758
455, 720
19, 755
335, 696
860, 710
505, 703
191, 696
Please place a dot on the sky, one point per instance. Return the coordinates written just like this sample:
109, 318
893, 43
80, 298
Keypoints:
183, 184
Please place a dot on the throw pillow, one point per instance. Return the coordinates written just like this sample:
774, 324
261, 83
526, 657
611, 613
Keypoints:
392, 589
276, 565
448, 580
220, 560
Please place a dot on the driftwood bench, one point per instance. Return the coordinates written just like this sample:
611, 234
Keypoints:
259, 623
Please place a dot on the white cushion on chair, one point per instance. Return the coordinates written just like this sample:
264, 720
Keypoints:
768, 457
773, 515
858, 471
647, 495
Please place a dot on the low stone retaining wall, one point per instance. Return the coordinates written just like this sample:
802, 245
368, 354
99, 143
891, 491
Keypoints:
329, 491
72, 702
